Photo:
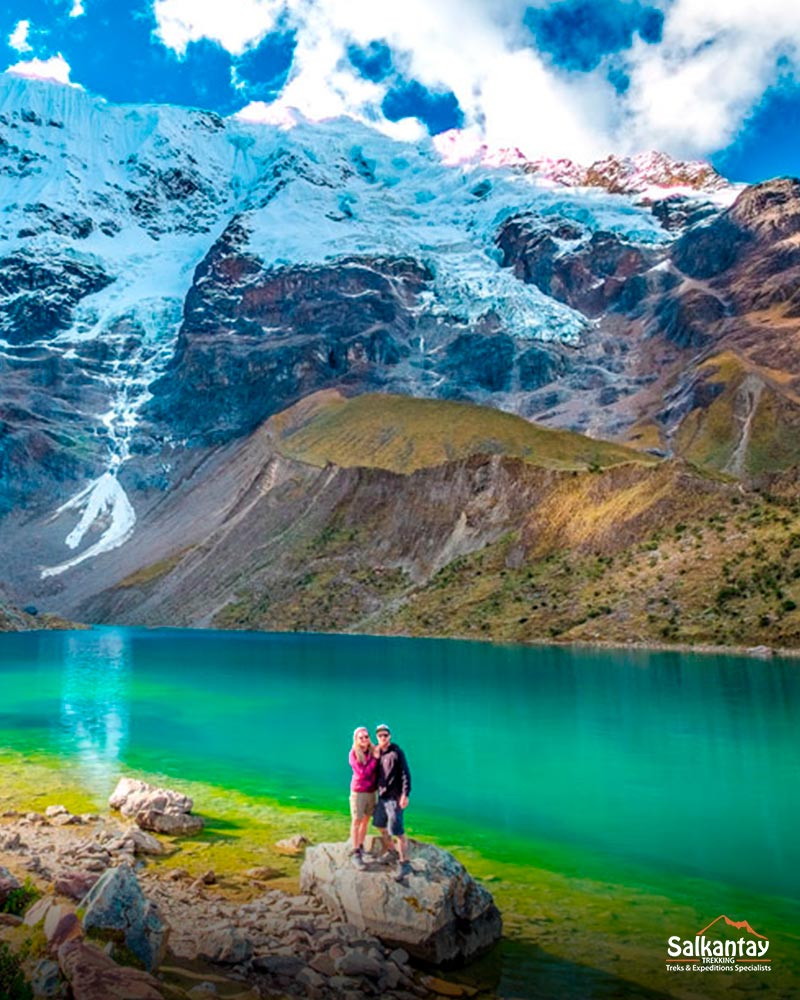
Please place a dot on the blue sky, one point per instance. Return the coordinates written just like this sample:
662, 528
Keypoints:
716, 79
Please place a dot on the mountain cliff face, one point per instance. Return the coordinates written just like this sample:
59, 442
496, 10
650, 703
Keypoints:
169, 281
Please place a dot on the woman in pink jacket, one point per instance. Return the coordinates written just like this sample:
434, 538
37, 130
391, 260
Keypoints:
363, 786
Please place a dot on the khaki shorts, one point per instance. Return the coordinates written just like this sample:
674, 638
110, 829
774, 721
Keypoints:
362, 804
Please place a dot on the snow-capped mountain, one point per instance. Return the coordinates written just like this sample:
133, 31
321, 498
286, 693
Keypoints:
651, 174
170, 279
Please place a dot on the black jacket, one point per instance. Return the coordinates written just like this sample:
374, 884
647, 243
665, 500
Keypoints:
394, 777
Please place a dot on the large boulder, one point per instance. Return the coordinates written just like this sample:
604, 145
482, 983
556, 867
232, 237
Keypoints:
159, 809
93, 975
117, 904
439, 913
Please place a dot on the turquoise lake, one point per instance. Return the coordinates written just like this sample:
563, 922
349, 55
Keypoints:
683, 765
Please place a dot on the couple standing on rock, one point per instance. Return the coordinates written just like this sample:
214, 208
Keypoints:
380, 770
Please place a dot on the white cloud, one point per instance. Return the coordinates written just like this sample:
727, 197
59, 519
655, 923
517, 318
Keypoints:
78, 10
688, 94
56, 68
235, 24
18, 39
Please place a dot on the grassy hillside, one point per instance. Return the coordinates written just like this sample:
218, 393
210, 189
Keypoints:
403, 434
417, 525
749, 425
669, 555
731, 578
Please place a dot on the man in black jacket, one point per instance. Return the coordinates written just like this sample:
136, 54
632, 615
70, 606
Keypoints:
394, 787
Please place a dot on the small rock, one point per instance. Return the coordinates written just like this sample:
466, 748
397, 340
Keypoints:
173, 824
310, 977
343, 984
145, 843
97, 864
75, 885
263, 874
358, 963
46, 979
324, 964
178, 875
209, 878
51, 811
293, 846
38, 911
225, 945
68, 928
8, 883
54, 914
279, 965
10, 920
65, 819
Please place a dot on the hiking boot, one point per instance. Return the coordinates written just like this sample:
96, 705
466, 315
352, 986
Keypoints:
357, 860
403, 870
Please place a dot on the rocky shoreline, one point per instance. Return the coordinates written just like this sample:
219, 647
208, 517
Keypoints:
94, 914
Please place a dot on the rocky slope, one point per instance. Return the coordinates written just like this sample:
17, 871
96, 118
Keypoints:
539, 539
95, 908
170, 281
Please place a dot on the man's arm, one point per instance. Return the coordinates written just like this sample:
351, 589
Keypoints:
406, 780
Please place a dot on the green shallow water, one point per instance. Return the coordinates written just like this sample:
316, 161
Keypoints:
654, 771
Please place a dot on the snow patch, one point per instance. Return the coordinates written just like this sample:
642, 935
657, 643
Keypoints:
104, 499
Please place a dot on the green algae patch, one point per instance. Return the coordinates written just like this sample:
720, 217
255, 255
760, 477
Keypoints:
33, 782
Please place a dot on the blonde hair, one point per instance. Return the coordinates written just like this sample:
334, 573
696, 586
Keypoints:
362, 756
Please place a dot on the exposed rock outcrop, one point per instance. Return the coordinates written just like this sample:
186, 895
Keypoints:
159, 809
93, 975
439, 913
265, 943
116, 903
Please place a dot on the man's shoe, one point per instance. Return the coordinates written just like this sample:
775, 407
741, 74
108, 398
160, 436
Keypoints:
403, 870
357, 860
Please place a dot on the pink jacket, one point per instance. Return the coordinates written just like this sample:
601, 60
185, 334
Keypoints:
365, 776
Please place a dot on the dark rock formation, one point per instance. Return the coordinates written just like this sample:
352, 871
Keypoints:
587, 272
689, 320
254, 339
37, 294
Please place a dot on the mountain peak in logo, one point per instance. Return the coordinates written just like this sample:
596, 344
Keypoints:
740, 925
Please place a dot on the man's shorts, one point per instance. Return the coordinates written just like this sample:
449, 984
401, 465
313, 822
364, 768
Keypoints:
362, 804
389, 815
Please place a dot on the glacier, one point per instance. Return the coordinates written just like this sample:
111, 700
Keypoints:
142, 192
